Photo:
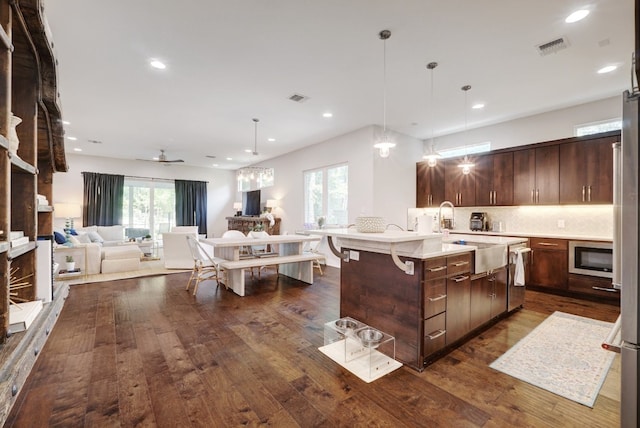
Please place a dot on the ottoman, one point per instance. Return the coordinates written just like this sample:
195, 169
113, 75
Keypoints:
121, 258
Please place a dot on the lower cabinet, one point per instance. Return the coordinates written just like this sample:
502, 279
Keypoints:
549, 263
458, 306
488, 297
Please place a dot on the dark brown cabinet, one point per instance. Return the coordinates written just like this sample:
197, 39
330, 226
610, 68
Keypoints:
536, 176
458, 297
488, 297
429, 185
549, 263
459, 188
494, 179
587, 171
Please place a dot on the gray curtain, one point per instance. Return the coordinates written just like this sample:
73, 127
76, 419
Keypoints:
191, 204
102, 199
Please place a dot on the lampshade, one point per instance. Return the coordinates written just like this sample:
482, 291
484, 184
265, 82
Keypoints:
237, 206
64, 210
272, 203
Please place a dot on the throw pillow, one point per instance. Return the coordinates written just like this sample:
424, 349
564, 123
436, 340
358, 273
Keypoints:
95, 237
71, 232
74, 240
59, 238
83, 238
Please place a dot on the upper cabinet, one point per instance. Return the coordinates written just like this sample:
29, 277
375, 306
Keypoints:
536, 176
459, 188
494, 179
429, 185
587, 171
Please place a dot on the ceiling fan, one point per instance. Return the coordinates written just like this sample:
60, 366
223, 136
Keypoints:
162, 158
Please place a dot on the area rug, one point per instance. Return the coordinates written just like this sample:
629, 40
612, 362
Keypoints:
563, 355
147, 268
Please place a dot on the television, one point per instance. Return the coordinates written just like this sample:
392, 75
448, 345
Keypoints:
251, 203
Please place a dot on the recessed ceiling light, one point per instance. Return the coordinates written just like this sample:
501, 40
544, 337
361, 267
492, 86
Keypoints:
77, 149
271, 140
215, 164
229, 159
72, 138
607, 69
157, 64
576, 16
478, 106
66, 122
327, 114
248, 151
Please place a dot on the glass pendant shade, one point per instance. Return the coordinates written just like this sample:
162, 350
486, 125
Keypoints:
466, 163
385, 143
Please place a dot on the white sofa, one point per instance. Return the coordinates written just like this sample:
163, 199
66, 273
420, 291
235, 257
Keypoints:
106, 235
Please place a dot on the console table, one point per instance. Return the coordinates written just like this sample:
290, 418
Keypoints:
246, 224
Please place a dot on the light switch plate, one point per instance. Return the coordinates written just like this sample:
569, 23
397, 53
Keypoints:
561, 224
354, 255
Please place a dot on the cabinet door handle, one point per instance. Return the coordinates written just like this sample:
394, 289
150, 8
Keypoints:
436, 334
533, 201
610, 290
547, 244
458, 264
583, 193
460, 278
589, 193
437, 269
537, 196
440, 297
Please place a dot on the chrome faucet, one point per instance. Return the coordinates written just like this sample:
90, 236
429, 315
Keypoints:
445, 203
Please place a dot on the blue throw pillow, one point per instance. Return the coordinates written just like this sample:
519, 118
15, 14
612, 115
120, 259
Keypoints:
59, 238
73, 232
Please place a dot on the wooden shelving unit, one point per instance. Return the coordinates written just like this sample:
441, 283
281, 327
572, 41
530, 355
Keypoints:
27, 90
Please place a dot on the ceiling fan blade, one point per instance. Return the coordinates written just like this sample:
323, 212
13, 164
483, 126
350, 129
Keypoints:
172, 161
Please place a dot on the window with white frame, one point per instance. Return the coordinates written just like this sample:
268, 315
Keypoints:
326, 195
465, 150
597, 127
149, 204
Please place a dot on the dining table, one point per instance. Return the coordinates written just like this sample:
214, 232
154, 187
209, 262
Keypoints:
287, 252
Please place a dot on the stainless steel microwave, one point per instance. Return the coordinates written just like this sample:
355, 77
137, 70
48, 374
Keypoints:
591, 258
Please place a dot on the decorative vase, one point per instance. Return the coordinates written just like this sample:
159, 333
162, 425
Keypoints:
13, 135
71, 266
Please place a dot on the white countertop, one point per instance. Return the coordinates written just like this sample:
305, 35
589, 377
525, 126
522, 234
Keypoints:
534, 235
388, 236
485, 239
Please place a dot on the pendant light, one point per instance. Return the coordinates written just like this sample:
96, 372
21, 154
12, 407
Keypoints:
432, 156
385, 142
255, 138
466, 164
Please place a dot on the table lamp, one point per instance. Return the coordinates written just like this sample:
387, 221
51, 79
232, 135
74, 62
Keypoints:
237, 206
67, 212
271, 204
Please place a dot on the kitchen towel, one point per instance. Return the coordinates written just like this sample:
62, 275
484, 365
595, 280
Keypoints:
519, 273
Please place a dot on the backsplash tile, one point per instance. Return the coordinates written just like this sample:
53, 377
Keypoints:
578, 220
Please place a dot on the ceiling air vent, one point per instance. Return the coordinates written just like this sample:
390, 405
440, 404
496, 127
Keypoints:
553, 46
298, 98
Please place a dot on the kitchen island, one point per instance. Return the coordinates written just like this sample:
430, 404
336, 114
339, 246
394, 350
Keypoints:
415, 287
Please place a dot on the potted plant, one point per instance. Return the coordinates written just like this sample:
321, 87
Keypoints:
147, 237
71, 264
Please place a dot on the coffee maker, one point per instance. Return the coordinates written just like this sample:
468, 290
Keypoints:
479, 222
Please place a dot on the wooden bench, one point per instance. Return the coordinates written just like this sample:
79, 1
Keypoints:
268, 261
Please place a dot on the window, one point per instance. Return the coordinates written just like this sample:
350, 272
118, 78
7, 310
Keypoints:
597, 127
465, 150
149, 204
326, 195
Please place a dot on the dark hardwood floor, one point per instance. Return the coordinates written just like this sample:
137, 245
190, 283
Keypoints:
144, 352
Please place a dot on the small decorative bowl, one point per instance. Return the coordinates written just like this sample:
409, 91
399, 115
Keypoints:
370, 337
370, 224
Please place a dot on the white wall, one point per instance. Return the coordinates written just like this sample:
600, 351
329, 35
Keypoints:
547, 126
381, 187
68, 186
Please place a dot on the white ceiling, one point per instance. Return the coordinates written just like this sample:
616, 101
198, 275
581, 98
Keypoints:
231, 61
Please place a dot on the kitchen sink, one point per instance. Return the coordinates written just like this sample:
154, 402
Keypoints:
487, 256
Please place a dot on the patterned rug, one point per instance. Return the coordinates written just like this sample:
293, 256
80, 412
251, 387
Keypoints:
562, 355
147, 268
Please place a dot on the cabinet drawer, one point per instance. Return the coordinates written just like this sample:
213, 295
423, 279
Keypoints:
549, 244
458, 264
434, 334
435, 268
593, 285
435, 297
